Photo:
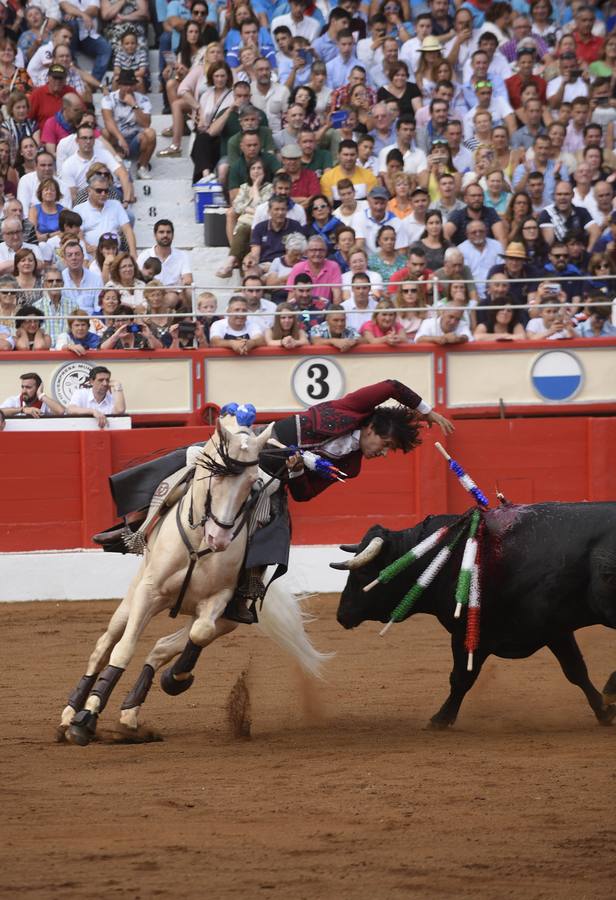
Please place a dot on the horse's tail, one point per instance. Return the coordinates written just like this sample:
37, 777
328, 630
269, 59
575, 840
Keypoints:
282, 619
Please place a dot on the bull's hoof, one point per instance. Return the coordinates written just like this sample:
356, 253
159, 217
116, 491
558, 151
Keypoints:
607, 715
82, 729
172, 686
436, 724
609, 691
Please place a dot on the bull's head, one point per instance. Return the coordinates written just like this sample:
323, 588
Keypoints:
356, 606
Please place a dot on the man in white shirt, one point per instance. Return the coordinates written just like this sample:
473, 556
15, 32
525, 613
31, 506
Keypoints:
299, 24
410, 52
415, 162
103, 398
127, 115
446, 327
480, 253
269, 97
101, 215
252, 291
175, 263
499, 108
76, 166
42, 58
12, 241
360, 304
235, 332
32, 400
29, 183
378, 215
568, 84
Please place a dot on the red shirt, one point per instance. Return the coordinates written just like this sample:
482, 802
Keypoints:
588, 50
514, 88
44, 104
403, 275
307, 185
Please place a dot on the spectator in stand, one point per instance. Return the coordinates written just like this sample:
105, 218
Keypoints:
360, 305
61, 35
325, 274
13, 241
62, 123
127, 117
377, 215
8, 175
46, 101
596, 325
295, 248
126, 277
37, 31
415, 269
176, 268
240, 216
562, 216
132, 58
326, 46
250, 36
501, 325
334, 332
11, 77
250, 149
304, 182
82, 16
480, 253
267, 238
32, 400
129, 334
54, 306
446, 327
362, 179
554, 323
234, 332
30, 330
45, 216
25, 271
252, 291
70, 228
386, 260
31, 181
81, 285
456, 228
515, 266
103, 398
322, 221
384, 327
19, 123
77, 338
100, 215
301, 299
287, 332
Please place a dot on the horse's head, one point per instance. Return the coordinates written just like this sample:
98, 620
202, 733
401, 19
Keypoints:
231, 459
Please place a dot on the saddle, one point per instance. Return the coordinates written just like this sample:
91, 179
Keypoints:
167, 494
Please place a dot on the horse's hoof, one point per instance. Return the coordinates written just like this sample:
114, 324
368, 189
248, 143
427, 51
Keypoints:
438, 725
172, 686
82, 729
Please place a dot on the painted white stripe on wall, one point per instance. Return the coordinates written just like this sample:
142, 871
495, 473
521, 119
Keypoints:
95, 575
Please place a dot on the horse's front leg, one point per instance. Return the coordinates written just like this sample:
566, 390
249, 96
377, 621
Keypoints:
142, 608
205, 629
97, 661
163, 651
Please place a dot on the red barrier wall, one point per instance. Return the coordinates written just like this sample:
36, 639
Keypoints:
54, 493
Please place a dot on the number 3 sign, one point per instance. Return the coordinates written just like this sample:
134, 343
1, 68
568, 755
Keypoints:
316, 379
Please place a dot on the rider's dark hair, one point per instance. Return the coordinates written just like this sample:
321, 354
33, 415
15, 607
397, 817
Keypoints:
398, 423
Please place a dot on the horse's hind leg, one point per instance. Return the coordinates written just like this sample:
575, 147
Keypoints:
203, 631
164, 650
97, 661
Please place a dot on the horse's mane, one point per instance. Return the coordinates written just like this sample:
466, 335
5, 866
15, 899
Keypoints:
226, 465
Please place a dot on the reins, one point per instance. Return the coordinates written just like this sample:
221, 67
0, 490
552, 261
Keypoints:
244, 511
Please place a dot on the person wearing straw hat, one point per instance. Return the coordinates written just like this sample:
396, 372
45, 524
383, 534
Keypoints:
515, 265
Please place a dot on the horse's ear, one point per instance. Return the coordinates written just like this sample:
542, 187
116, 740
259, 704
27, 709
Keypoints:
264, 437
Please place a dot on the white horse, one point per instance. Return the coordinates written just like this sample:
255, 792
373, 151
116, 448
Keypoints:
211, 519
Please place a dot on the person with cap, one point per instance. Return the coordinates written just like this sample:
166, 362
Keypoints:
46, 101
127, 116
478, 69
499, 109
304, 182
82, 16
363, 179
515, 265
568, 84
377, 215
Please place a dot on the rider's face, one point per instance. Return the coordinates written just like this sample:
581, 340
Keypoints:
372, 444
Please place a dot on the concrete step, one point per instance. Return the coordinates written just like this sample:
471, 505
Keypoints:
160, 121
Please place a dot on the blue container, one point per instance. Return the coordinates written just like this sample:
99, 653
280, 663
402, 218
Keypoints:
207, 193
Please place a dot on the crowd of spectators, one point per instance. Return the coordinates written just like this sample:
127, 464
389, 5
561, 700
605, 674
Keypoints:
394, 172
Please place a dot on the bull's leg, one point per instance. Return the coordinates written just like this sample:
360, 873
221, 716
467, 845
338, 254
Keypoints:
97, 661
569, 655
460, 680
141, 610
178, 678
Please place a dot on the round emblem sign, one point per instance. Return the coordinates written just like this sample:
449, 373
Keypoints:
557, 375
68, 379
316, 379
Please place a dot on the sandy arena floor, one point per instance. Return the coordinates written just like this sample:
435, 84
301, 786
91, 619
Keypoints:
339, 793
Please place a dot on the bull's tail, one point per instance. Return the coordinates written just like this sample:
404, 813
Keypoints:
282, 619
609, 691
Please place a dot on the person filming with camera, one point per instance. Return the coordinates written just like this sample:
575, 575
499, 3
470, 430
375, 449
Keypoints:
188, 334
128, 333
102, 398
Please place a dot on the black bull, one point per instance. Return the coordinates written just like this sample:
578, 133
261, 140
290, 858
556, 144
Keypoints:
547, 570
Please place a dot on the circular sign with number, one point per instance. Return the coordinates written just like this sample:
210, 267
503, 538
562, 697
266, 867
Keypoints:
316, 379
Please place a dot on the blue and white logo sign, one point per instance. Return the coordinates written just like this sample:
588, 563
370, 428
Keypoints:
557, 375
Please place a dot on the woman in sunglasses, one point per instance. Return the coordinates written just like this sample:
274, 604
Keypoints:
106, 251
322, 221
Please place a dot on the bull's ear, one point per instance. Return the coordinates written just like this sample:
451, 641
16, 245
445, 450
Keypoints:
264, 437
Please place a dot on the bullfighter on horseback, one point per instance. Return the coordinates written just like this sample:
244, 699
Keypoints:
344, 432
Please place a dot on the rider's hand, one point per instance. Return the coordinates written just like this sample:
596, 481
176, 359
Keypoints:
434, 418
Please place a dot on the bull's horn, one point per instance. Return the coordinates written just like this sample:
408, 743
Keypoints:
341, 566
367, 554
349, 548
